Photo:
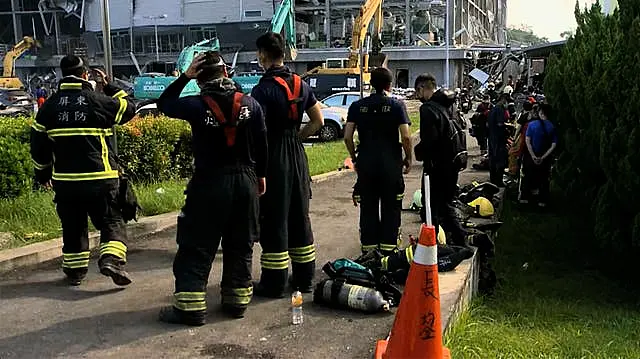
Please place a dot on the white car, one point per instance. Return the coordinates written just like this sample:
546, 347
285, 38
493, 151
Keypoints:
345, 99
335, 118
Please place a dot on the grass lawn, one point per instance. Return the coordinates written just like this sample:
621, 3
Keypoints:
556, 306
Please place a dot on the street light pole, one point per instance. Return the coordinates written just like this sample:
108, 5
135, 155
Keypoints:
155, 28
446, 45
106, 38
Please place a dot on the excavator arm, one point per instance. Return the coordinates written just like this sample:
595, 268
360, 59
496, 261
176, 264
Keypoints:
17, 51
285, 19
370, 10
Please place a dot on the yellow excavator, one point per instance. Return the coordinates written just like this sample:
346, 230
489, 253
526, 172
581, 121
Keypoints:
344, 75
9, 79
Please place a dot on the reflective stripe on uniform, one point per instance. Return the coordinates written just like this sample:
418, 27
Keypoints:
71, 86
190, 301
114, 248
303, 254
120, 94
237, 296
39, 166
84, 176
368, 247
80, 132
123, 107
356, 198
400, 196
75, 260
408, 252
38, 127
384, 263
275, 260
388, 247
105, 154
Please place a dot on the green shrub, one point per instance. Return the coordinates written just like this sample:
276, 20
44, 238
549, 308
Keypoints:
593, 87
16, 169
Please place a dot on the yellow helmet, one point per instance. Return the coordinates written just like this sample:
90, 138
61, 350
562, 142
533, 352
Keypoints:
442, 237
483, 207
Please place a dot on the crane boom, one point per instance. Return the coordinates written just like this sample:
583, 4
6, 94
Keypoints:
370, 10
17, 51
285, 19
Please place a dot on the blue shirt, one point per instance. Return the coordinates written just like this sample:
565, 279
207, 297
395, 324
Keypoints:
538, 136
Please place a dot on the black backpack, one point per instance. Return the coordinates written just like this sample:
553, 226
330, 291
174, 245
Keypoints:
454, 139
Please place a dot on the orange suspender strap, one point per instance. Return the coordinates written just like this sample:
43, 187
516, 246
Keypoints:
292, 97
229, 126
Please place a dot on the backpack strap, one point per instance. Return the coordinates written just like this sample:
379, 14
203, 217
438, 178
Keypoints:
293, 97
231, 124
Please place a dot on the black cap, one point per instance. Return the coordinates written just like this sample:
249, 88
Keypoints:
70, 63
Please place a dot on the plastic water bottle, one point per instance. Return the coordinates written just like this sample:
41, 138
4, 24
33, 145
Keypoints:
296, 308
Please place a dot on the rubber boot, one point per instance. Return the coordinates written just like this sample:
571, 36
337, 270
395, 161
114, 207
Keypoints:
111, 266
75, 276
172, 315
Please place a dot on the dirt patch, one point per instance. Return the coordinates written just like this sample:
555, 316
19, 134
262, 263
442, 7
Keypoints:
234, 351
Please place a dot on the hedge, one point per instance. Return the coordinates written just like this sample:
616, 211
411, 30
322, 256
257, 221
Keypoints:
593, 86
150, 149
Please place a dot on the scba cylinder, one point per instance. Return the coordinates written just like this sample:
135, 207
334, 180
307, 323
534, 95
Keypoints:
339, 294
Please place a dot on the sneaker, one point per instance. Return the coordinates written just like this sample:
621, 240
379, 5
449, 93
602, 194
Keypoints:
112, 267
172, 315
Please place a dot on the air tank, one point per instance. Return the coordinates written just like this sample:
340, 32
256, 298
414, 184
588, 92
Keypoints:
339, 294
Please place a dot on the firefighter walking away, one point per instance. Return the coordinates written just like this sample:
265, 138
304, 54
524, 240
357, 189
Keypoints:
222, 196
379, 162
285, 227
73, 144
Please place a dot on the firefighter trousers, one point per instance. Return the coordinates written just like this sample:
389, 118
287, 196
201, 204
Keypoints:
222, 206
443, 213
285, 226
99, 200
380, 198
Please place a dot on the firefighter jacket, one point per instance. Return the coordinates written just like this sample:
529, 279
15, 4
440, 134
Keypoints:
73, 135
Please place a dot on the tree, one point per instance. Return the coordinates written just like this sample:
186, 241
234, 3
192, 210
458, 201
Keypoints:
524, 36
594, 89
566, 34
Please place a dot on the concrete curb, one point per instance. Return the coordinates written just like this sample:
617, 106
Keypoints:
41, 252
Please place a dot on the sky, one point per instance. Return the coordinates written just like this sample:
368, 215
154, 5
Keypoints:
546, 18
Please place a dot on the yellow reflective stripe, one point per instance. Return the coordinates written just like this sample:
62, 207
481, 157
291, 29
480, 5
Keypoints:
105, 153
71, 86
357, 198
114, 248
74, 256
190, 296
80, 132
409, 254
475, 183
84, 176
384, 263
120, 94
38, 127
229, 299
302, 250
400, 196
388, 247
243, 292
123, 107
274, 265
275, 256
303, 259
84, 263
191, 306
38, 166
368, 247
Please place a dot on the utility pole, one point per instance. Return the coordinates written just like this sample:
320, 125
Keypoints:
106, 38
447, 35
155, 28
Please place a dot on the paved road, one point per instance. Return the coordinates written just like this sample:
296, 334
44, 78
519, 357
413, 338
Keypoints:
43, 318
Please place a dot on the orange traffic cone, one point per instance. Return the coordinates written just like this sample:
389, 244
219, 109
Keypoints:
417, 329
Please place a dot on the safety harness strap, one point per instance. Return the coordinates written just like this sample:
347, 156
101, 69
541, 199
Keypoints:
293, 97
229, 125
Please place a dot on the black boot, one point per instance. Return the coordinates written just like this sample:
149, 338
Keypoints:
260, 290
111, 266
172, 315
75, 276
233, 311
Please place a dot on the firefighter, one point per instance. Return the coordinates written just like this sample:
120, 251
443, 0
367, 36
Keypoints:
285, 227
498, 152
73, 143
378, 119
222, 196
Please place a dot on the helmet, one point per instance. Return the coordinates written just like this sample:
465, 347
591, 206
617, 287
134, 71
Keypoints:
416, 203
442, 237
484, 207
491, 84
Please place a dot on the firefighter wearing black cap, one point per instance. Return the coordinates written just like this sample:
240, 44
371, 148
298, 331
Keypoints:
222, 197
73, 143
379, 163
285, 227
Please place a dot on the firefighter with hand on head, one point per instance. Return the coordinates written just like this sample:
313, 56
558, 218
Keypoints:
285, 227
73, 144
378, 119
230, 146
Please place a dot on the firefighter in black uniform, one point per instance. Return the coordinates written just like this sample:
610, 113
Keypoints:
285, 228
72, 142
378, 119
230, 149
